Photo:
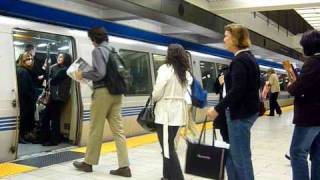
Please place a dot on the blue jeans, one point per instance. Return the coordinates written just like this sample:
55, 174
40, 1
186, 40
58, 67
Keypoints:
239, 163
305, 140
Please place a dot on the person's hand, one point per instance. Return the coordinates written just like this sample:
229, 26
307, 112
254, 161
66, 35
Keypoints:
292, 76
212, 114
78, 75
221, 79
40, 77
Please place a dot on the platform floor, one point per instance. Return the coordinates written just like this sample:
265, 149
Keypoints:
271, 137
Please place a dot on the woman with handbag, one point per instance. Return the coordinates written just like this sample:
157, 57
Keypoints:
171, 110
240, 102
27, 97
59, 88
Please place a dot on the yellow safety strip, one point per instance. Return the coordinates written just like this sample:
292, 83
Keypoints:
149, 138
7, 169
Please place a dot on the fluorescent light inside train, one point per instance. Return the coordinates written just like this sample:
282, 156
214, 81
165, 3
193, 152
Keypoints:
18, 43
63, 48
42, 45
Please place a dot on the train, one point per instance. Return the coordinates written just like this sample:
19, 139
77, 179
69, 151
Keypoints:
143, 54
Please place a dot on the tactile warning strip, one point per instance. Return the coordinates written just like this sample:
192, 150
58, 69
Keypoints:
7, 169
51, 159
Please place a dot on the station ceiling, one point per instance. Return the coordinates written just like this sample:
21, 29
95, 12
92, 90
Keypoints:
186, 19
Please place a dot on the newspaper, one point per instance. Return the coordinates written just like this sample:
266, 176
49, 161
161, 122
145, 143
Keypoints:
79, 65
292, 73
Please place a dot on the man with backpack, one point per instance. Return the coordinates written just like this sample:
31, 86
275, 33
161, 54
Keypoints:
106, 103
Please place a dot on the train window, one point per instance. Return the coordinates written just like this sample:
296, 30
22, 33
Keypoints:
138, 63
208, 74
46, 46
158, 60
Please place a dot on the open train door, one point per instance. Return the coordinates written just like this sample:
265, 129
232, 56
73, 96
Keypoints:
8, 101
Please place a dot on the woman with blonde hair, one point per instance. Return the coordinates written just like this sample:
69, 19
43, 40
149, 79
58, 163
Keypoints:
240, 101
27, 97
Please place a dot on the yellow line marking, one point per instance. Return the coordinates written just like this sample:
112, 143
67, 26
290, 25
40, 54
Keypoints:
7, 169
149, 138
135, 141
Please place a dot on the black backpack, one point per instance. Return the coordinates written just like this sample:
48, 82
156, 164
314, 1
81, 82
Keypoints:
118, 78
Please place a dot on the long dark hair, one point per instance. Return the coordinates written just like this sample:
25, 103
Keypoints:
178, 58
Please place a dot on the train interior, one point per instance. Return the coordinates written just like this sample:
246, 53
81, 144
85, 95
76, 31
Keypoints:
47, 46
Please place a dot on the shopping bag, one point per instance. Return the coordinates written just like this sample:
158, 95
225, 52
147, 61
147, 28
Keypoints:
205, 160
146, 117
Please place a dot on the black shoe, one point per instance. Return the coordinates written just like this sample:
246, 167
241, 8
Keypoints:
124, 172
82, 166
270, 114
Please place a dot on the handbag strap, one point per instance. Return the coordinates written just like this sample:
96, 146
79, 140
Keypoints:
203, 131
149, 101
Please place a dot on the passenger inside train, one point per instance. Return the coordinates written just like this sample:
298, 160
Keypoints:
41, 76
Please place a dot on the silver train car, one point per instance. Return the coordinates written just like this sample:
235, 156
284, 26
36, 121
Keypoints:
141, 57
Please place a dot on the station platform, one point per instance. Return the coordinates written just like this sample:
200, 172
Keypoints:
271, 138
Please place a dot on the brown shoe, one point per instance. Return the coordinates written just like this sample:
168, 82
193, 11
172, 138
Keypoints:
82, 166
124, 171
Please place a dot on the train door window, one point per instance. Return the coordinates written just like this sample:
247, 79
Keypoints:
139, 66
45, 44
208, 75
158, 60
46, 49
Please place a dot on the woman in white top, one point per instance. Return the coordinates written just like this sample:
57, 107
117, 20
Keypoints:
171, 107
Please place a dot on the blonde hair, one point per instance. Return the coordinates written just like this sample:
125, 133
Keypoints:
23, 58
240, 35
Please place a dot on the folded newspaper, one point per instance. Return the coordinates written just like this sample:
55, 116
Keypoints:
79, 65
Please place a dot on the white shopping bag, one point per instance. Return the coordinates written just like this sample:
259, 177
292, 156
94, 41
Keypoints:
79, 65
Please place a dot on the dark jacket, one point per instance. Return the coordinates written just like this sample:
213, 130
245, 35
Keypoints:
26, 86
306, 92
60, 83
242, 87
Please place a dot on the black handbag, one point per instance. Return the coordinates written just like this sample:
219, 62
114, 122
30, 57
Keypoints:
146, 117
205, 160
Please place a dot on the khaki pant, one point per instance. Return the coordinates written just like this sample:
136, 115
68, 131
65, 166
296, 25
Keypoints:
104, 105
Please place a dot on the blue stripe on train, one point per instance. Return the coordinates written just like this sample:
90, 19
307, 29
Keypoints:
49, 15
